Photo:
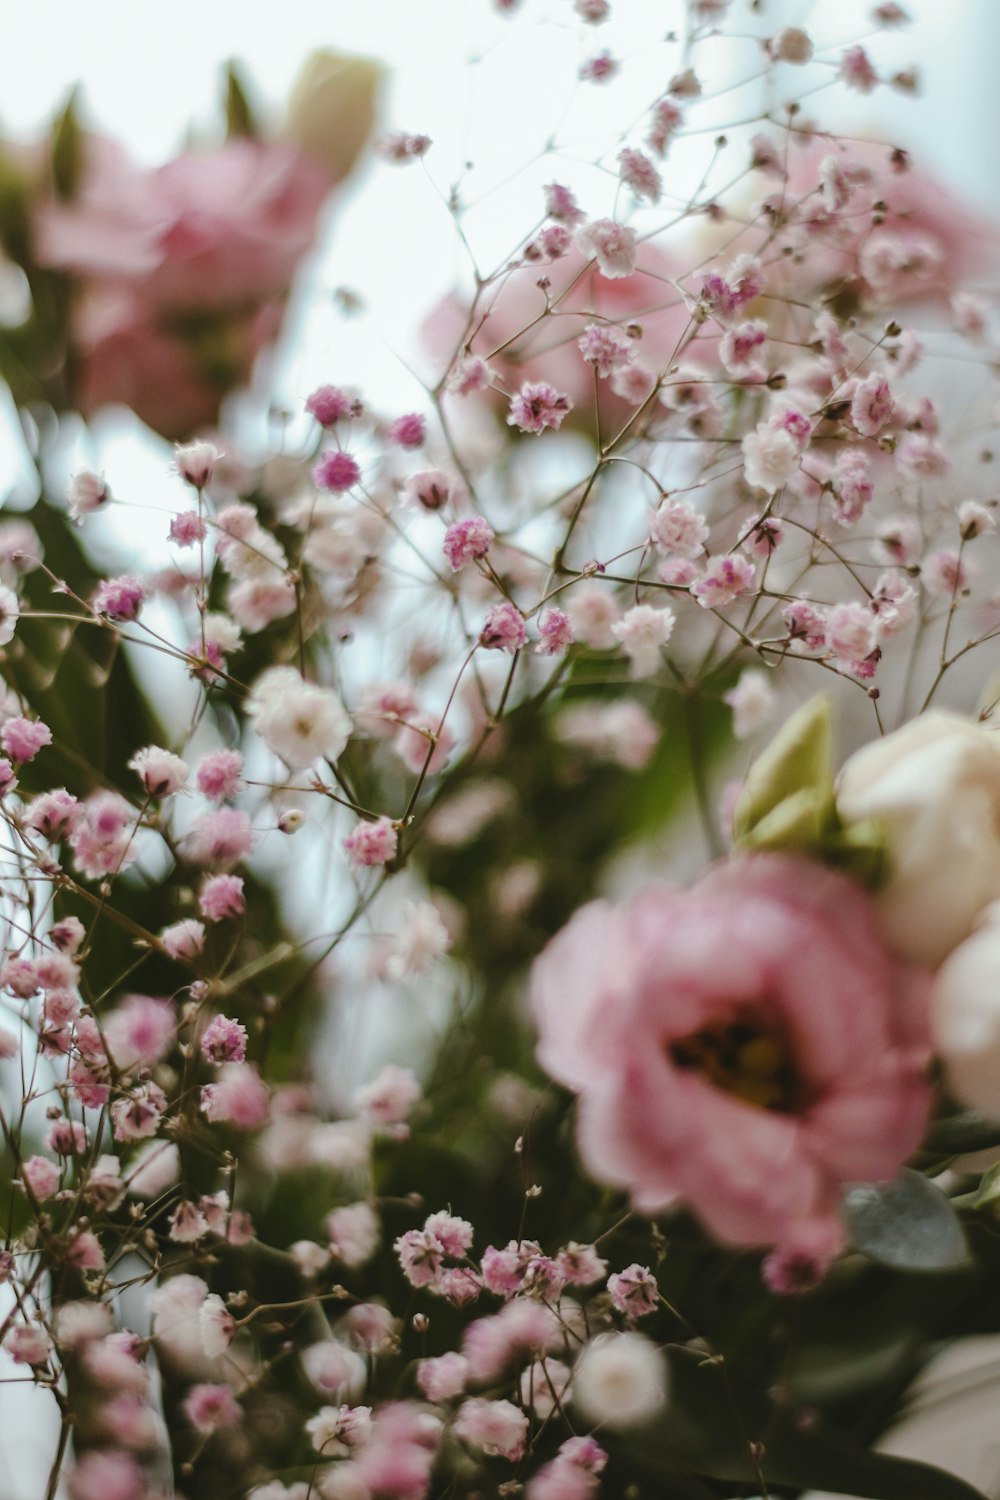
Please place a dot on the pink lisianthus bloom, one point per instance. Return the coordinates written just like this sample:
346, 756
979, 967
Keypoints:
746, 1046
183, 269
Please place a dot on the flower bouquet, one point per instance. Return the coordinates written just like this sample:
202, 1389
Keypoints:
501, 900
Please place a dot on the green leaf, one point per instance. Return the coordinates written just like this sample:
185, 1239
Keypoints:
966, 1131
796, 761
240, 121
67, 150
908, 1224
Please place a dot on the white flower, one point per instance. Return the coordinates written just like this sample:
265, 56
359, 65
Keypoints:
335, 1370
612, 245
216, 1325
300, 721
620, 1380
770, 458
423, 939
751, 700
965, 1018
934, 786
10, 612
642, 631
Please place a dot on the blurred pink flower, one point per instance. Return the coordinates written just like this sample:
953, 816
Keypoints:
747, 1046
183, 269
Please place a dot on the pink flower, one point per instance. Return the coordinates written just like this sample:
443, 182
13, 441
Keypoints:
536, 406
467, 541
218, 774
160, 772
856, 70
637, 172
373, 843
27, 1344
723, 580
221, 896
224, 1040
336, 471
107, 1474
503, 629
408, 431
715, 1033
183, 940
240, 1097
444, 1377
555, 633
87, 493
23, 738
103, 840
634, 1291
872, 405
330, 405
209, 1407
40, 1176
196, 463
431, 489
498, 1428
210, 239
219, 838
140, 1032
389, 1098
612, 245
119, 599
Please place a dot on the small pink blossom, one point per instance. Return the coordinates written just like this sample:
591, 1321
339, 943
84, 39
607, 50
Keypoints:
503, 629
196, 463
188, 1224
88, 492
23, 738
220, 837
403, 147
390, 1097
677, 529
555, 633
224, 1041
498, 1428
685, 85
665, 121
852, 485
187, 528
183, 940
945, 573
538, 406
605, 347
740, 348
218, 774
792, 45
160, 772
408, 431
725, 294
353, 1232
84, 1252
140, 1031
612, 245
598, 69
561, 204
40, 1176
240, 1097
974, 520
469, 375
211, 1407
856, 70
27, 1344
8, 781
872, 405
770, 457
221, 896
67, 1138
723, 580
443, 1378
634, 1291
467, 541
119, 599
336, 471
137, 1116
850, 632
107, 1474
329, 405
643, 631
580, 1265
431, 489
637, 172
424, 744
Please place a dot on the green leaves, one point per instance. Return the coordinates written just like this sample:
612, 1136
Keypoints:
908, 1224
788, 803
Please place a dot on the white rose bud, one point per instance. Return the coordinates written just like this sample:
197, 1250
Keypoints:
934, 786
965, 1019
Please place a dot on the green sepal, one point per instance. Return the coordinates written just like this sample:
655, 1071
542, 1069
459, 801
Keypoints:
796, 761
67, 151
